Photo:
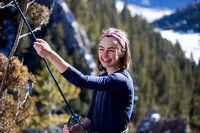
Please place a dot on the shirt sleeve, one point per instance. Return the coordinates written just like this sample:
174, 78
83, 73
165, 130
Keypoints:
113, 82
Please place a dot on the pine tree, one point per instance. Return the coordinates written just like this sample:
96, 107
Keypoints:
48, 99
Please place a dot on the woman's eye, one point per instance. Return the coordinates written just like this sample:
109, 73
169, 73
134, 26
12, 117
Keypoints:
111, 50
100, 49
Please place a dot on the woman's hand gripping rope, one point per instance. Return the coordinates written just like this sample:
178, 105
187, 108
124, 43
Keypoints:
74, 125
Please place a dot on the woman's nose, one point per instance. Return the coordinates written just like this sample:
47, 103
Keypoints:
105, 53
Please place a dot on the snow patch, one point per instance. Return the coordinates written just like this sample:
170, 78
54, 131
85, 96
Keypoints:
190, 42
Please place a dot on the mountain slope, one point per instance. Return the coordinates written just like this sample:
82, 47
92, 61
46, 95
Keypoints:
182, 20
150, 14
162, 4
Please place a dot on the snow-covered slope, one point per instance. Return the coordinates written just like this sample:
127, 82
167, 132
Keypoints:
150, 14
190, 41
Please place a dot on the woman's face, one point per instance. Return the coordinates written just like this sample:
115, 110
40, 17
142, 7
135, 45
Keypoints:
109, 54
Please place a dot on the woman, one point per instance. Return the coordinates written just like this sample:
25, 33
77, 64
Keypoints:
113, 92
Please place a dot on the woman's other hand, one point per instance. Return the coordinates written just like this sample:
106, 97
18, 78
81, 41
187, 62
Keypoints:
71, 129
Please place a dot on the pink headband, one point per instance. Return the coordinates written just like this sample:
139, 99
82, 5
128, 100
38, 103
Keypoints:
116, 36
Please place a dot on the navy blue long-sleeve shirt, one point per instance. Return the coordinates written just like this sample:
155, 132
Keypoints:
112, 99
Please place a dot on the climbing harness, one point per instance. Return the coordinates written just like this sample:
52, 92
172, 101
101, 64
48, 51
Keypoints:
74, 118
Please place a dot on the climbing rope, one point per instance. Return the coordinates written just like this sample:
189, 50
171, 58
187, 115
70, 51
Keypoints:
74, 118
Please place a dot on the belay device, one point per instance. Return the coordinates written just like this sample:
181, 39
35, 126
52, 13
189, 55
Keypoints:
74, 118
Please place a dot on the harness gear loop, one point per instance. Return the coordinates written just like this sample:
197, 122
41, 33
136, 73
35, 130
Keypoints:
73, 119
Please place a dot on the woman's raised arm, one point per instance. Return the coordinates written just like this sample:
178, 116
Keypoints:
44, 50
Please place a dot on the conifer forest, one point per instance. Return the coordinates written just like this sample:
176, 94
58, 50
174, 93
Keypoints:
164, 79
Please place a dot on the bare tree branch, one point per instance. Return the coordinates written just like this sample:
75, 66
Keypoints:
18, 106
21, 103
35, 30
31, 2
52, 6
26, 34
2, 6
12, 51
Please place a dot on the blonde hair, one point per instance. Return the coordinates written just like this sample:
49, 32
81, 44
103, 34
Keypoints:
125, 61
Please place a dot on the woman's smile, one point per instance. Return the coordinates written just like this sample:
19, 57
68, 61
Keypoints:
106, 60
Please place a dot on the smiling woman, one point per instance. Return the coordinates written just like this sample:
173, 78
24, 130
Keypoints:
113, 92
116, 42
